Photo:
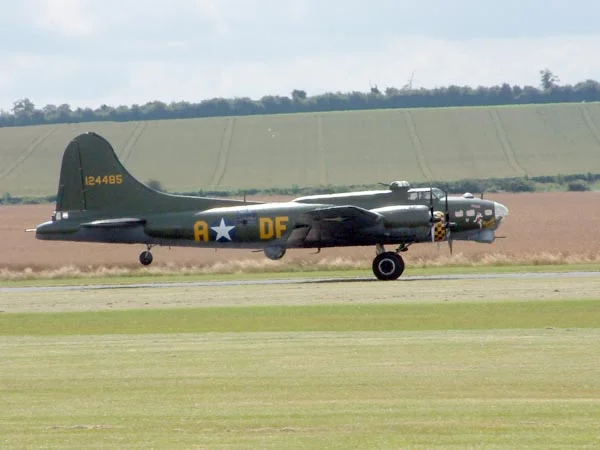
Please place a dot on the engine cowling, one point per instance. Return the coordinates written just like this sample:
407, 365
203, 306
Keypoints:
405, 216
415, 216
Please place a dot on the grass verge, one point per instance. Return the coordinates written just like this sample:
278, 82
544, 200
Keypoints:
77, 277
361, 317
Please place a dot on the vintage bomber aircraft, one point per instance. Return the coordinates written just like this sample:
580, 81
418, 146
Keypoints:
100, 201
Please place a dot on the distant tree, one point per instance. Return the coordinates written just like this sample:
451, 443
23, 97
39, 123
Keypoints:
276, 104
154, 110
298, 95
588, 90
64, 113
50, 113
547, 79
578, 186
104, 112
505, 93
245, 106
216, 107
24, 111
84, 115
375, 90
520, 185
530, 94
517, 90
123, 113
134, 112
23, 107
358, 100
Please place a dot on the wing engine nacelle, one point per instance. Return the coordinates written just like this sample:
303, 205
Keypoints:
417, 219
405, 216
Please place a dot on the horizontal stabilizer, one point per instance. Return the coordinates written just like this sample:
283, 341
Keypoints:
119, 223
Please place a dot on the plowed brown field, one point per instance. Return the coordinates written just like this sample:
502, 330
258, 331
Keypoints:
542, 227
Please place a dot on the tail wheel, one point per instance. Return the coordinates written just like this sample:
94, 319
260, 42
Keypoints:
388, 266
146, 258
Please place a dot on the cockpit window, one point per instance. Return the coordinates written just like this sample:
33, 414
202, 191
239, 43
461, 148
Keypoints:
438, 193
423, 195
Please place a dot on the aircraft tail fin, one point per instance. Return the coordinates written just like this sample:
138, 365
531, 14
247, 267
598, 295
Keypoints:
93, 179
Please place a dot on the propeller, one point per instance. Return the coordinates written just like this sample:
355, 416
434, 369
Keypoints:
447, 224
449, 246
447, 212
448, 230
431, 214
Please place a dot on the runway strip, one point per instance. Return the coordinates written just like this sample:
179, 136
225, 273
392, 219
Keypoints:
91, 287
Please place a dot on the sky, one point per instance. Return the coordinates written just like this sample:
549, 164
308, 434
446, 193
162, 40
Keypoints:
121, 52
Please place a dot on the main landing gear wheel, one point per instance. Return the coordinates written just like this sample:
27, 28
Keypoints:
146, 258
388, 266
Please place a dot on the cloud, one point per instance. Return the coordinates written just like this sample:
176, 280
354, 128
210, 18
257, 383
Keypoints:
86, 52
208, 10
434, 62
70, 18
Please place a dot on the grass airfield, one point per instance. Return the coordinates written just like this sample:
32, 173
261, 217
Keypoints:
484, 363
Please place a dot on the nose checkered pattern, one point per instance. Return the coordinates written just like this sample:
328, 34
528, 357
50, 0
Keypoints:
439, 227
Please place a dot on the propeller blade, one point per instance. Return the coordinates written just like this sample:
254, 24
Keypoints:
430, 198
431, 212
447, 216
447, 223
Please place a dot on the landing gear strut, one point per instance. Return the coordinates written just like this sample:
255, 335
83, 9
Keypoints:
146, 257
387, 265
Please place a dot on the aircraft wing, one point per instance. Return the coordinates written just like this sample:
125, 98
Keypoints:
359, 217
114, 223
333, 225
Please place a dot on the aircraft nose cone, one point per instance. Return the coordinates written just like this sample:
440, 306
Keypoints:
501, 211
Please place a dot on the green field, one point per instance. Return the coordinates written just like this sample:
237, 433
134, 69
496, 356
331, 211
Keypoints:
354, 364
309, 318
493, 389
317, 149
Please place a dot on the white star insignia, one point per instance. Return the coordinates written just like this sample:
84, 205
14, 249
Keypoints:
223, 230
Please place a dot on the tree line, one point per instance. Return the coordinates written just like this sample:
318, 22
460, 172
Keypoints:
24, 111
